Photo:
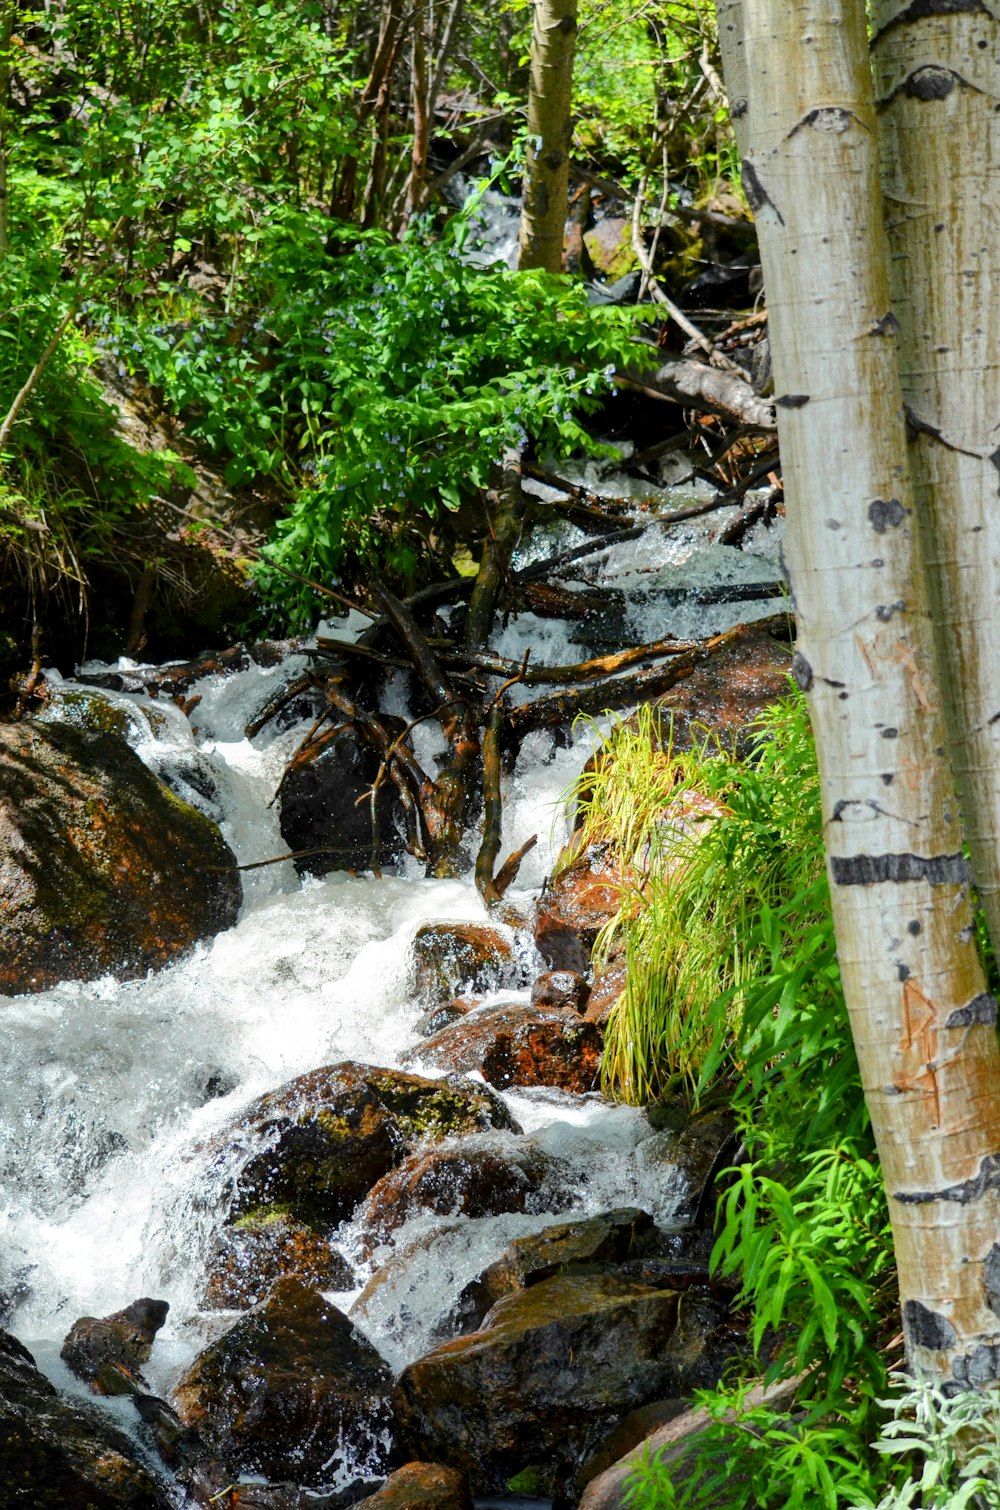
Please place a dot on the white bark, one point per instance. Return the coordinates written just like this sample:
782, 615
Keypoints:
923, 1024
937, 77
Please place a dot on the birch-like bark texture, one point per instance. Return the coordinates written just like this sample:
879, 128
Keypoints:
550, 98
923, 1023
937, 84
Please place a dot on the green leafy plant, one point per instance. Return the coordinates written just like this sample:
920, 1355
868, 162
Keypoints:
954, 1442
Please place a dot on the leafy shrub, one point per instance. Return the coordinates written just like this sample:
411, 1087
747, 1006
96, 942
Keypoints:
376, 387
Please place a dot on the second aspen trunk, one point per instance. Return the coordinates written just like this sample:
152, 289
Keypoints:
923, 1023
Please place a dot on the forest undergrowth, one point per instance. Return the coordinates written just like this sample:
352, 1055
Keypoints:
734, 996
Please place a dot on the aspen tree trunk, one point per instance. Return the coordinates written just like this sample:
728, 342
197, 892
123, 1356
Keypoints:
923, 1024
550, 97
937, 82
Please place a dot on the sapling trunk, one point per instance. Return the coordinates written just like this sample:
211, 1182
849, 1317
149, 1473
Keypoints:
550, 97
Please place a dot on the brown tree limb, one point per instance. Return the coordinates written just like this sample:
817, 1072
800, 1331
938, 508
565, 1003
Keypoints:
507, 503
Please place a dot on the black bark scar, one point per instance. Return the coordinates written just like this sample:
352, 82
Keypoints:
987, 1178
872, 870
757, 195
802, 672
792, 401
886, 513
981, 1008
828, 118
918, 10
927, 1328
991, 1278
977, 1368
917, 426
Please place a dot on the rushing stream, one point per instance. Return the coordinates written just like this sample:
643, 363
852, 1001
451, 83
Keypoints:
113, 1091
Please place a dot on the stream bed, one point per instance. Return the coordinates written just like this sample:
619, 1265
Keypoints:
114, 1091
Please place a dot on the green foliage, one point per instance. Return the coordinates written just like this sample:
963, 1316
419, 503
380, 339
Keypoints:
953, 1441
377, 387
731, 948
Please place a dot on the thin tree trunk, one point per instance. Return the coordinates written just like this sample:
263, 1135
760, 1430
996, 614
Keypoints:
937, 73
923, 1024
421, 106
6, 40
550, 96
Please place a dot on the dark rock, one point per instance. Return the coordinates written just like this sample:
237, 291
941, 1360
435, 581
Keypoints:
465, 1180
320, 807
560, 988
685, 1160
57, 1454
441, 1017
292, 1391
108, 1352
419, 1485
512, 1044
324, 1139
585, 1245
583, 895
635, 1428
102, 869
553, 1369
452, 958
248, 1258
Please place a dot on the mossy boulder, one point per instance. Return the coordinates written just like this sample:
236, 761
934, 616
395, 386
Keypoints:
422, 1486
250, 1256
103, 870
56, 1453
323, 1140
293, 1391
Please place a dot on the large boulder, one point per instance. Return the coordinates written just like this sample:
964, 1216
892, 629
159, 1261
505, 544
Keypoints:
320, 1142
552, 1370
514, 1044
292, 1391
103, 870
468, 1180
56, 1453
321, 811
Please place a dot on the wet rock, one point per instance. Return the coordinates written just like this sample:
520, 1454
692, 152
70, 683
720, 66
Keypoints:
249, 1257
560, 988
323, 1140
607, 989
747, 671
108, 1352
320, 809
682, 1162
419, 1485
465, 1180
292, 1391
102, 869
577, 902
552, 1370
609, 245
586, 1245
56, 1453
635, 1428
452, 958
513, 1044
441, 1017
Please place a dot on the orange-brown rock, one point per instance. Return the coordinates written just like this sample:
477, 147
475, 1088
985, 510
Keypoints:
422, 1486
513, 1044
575, 905
560, 988
248, 1258
606, 991
103, 870
450, 959
109, 1351
467, 1180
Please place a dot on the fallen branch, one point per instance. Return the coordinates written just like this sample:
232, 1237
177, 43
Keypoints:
695, 385
602, 665
608, 695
